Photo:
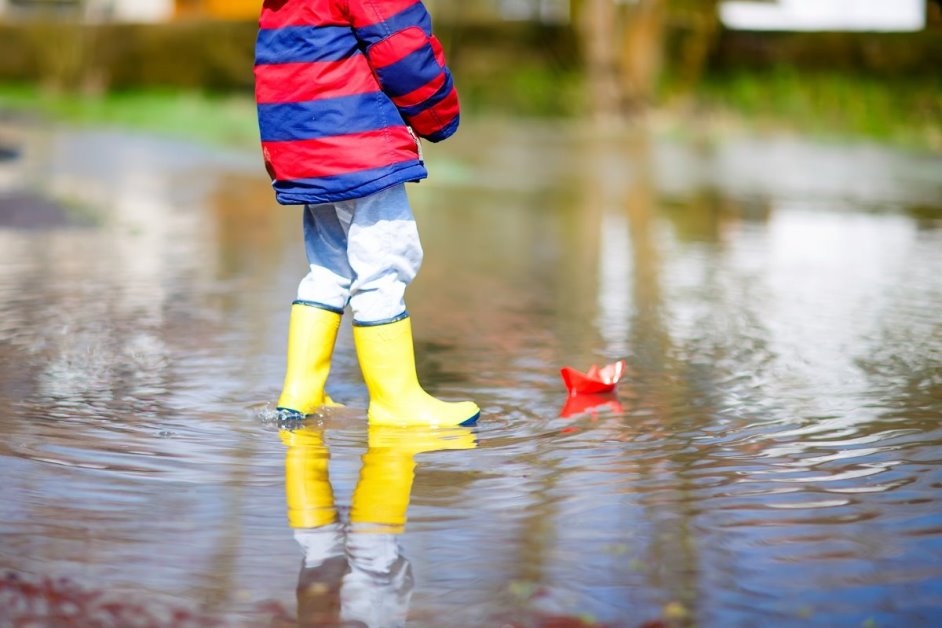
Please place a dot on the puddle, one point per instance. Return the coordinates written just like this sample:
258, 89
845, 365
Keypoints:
771, 455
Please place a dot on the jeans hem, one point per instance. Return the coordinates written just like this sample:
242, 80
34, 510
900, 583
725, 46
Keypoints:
320, 306
385, 321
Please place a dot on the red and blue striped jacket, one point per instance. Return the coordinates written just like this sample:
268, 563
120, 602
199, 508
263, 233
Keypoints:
338, 84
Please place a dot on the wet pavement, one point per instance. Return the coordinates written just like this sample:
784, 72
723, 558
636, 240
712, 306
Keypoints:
772, 456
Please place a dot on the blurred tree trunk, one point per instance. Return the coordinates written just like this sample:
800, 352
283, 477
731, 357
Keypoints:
624, 43
640, 53
596, 22
699, 21
96, 17
69, 45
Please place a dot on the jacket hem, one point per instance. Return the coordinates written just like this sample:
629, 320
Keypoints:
414, 171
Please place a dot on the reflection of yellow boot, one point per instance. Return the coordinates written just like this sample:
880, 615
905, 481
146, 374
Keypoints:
396, 398
381, 497
307, 487
312, 333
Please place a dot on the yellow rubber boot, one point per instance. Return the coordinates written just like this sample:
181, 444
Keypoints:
312, 333
381, 497
307, 486
387, 360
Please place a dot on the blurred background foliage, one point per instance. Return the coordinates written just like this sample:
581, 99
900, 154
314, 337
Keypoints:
634, 60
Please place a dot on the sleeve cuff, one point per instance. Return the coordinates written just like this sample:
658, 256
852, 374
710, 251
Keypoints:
445, 132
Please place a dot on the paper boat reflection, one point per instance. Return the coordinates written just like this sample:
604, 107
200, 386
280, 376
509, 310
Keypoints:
596, 380
591, 404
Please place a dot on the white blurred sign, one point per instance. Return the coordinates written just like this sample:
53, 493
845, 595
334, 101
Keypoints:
141, 10
825, 15
95, 10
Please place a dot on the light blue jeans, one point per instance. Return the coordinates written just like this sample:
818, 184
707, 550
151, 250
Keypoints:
362, 252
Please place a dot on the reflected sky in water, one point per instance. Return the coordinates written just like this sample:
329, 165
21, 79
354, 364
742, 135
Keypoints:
772, 455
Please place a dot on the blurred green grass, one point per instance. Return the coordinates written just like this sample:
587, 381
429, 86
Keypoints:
903, 112
209, 118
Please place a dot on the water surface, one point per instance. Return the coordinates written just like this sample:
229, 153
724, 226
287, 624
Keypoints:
772, 457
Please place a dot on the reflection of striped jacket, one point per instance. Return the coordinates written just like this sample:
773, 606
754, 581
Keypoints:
337, 82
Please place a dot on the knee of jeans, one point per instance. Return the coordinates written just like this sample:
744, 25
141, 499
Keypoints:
412, 256
323, 286
396, 252
383, 304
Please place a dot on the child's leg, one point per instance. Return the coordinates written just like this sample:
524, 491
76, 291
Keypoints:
385, 255
315, 316
325, 242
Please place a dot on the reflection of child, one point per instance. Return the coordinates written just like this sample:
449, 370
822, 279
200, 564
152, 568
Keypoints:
356, 574
352, 575
339, 83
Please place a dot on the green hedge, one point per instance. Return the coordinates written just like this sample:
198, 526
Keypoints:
887, 55
513, 67
210, 55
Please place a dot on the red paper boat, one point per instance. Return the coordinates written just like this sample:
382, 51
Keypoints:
596, 380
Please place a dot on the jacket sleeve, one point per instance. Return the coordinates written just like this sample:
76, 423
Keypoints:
409, 63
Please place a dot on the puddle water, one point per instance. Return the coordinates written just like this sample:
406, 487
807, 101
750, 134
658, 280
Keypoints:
772, 455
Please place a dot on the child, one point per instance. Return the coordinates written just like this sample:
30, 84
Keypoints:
339, 83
